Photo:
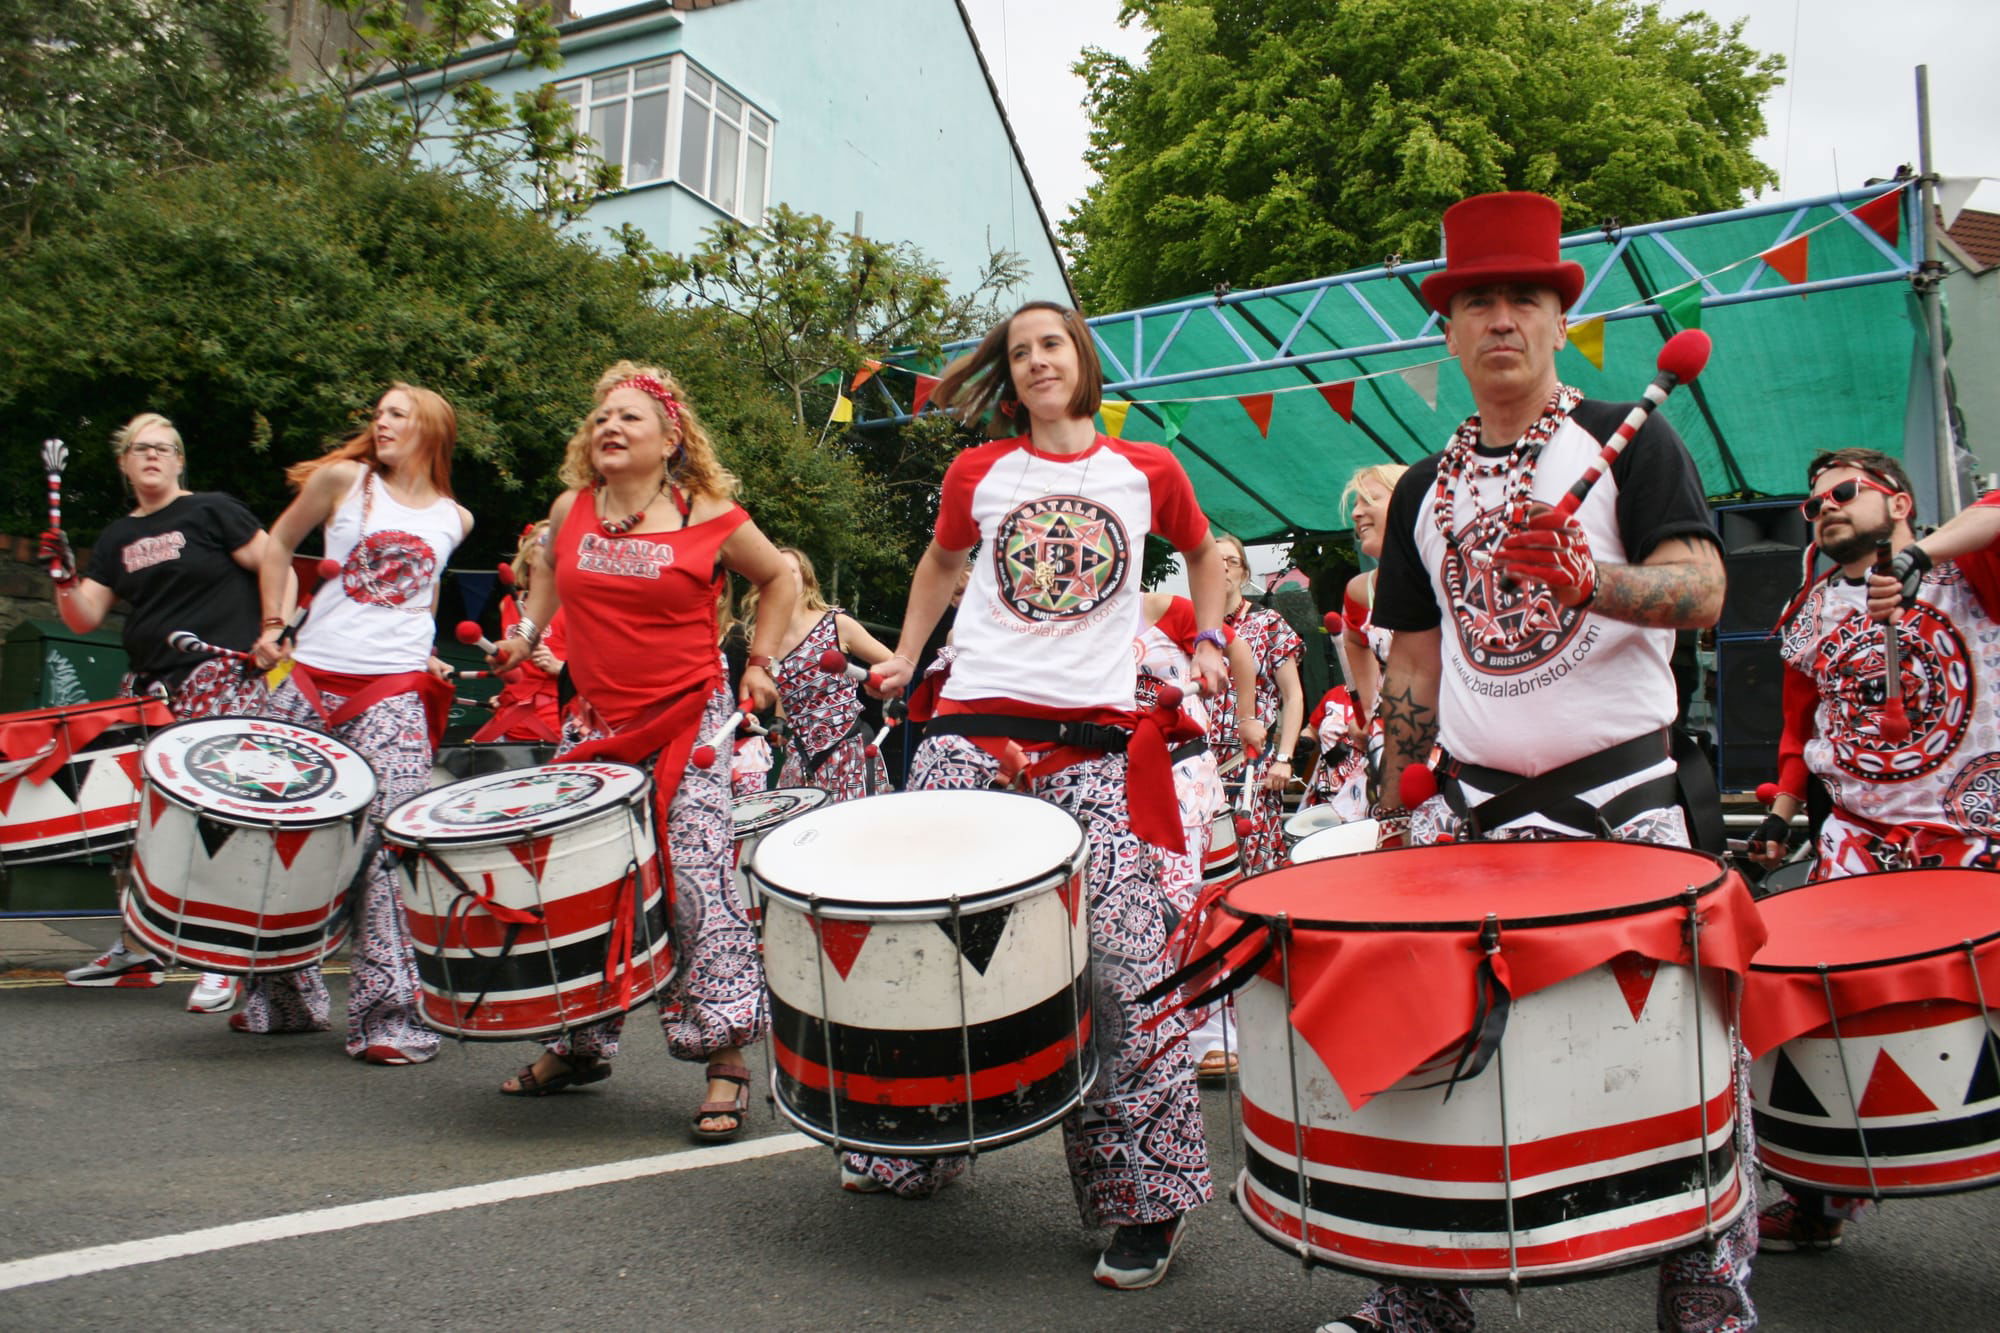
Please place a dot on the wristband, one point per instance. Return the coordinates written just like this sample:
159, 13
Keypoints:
1775, 828
273, 622
757, 660
1213, 636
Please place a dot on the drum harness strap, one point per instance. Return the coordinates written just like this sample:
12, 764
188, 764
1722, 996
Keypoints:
461, 907
1556, 794
1044, 730
1189, 749
818, 759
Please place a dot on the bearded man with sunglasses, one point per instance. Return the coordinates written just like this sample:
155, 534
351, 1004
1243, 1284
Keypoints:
1925, 799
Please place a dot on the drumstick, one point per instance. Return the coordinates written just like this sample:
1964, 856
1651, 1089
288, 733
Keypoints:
184, 641
835, 663
704, 753
55, 457
469, 634
1894, 724
506, 573
874, 747
1680, 360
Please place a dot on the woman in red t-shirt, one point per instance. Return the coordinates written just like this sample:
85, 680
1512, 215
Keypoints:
639, 546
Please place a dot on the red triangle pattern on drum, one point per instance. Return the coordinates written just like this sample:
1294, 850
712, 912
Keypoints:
533, 854
1893, 1092
156, 804
129, 761
1634, 974
1071, 893
287, 842
841, 942
7, 790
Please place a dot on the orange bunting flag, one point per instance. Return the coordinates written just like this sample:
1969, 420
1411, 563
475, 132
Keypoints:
1789, 259
925, 383
862, 376
1340, 397
1588, 338
1258, 405
1884, 213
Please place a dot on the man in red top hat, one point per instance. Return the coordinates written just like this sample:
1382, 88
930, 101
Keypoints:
1533, 647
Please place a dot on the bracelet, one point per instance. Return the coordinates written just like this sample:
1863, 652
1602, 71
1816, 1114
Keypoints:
272, 622
905, 657
762, 660
527, 631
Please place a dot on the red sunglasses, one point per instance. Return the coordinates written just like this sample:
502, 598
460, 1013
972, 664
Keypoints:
1842, 494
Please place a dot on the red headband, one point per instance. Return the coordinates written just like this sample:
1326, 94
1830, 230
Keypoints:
657, 391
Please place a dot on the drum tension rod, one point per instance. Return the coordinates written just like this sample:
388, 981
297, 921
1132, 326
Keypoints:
1847, 1081
1282, 929
1691, 928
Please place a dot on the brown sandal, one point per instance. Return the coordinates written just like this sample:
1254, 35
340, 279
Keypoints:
1216, 1065
736, 1108
573, 1074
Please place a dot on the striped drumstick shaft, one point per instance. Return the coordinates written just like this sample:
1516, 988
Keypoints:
184, 641
1656, 393
55, 457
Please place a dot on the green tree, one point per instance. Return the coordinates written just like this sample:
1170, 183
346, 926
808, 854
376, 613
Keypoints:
1267, 141
93, 92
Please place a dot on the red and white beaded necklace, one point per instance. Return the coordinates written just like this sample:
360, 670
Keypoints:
1461, 459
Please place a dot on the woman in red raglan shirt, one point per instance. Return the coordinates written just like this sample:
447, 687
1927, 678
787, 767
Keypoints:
636, 560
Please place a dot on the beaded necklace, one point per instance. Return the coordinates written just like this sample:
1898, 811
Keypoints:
618, 527
1460, 460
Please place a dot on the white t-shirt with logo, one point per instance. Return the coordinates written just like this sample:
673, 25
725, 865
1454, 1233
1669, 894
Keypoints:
375, 618
1054, 601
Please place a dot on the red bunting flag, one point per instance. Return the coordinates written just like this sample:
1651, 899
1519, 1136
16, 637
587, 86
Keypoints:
1258, 405
1340, 397
1789, 259
925, 383
1884, 213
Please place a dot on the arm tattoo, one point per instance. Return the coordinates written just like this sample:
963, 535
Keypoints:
1409, 727
1673, 594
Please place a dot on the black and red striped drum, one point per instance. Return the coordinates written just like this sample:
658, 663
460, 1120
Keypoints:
1877, 1052
929, 962
1491, 1062
1222, 862
249, 841
533, 898
754, 817
70, 779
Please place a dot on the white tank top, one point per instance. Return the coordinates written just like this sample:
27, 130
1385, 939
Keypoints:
374, 618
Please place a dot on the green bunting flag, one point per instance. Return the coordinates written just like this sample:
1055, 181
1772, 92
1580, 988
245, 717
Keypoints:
1684, 306
1172, 417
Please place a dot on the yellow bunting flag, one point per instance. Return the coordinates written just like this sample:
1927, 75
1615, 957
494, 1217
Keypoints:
1588, 338
843, 408
1114, 415
1258, 405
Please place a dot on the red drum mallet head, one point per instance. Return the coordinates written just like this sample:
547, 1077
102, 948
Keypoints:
1417, 785
1242, 826
703, 756
1169, 697
832, 661
329, 568
1767, 794
1332, 623
468, 632
1685, 354
506, 572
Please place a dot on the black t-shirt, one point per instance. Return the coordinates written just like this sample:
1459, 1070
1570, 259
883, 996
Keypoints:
1660, 497
175, 567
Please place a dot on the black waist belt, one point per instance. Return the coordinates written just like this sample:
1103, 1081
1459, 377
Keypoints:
1556, 794
817, 759
1189, 749
1040, 730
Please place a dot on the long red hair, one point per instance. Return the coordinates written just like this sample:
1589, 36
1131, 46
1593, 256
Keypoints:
437, 432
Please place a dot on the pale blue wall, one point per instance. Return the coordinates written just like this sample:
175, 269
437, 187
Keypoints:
881, 109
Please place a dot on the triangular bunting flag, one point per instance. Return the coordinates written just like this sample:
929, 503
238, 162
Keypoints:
1789, 259
840, 941
533, 855
1172, 417
1791, 1092
925, 383
867, 371
1423, 380
1588, 338
1114, 415
843, 408
1683, 306
1258, 405
827, 377
1634, 973
1340, 397
1884, 215
978, 937
1891, 1091
1954, 193
287, 843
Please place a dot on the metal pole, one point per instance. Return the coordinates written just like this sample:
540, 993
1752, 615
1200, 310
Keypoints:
1930, 278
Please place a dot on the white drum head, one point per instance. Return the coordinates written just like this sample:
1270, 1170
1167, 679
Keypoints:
1308, 822
767, 809
502, 807
259, 773
911, 852
1340, 840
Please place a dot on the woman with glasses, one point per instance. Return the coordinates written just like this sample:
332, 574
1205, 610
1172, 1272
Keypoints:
181, 560
1280, 710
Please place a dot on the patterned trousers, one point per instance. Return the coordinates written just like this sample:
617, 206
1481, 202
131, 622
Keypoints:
394, 737
1698, 1292
717, 999
1135, 1147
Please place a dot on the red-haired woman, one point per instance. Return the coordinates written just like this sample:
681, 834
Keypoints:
640, 547
1276, 646
829, 738
362, 669
1043, 644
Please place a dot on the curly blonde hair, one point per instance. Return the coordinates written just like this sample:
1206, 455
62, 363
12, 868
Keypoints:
692, 466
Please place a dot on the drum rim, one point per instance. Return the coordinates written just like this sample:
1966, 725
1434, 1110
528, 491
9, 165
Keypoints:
147, 784
1505, 922
1867, 964
765, 823
638, 797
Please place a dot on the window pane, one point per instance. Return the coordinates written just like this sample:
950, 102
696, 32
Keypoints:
648, 156
607, 85
753, 181
694, 144
729, 105
760, 128
699, 85
607, 126
651, 76
722, 168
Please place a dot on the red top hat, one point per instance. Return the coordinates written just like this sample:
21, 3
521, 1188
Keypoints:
1509, 237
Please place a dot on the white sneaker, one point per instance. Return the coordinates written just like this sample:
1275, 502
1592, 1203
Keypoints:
215, 994
118, 966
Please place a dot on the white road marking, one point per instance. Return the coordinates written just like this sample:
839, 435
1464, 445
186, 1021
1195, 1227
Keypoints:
127, 1254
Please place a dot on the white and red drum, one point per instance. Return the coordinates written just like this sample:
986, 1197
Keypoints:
1885, 1078
755, 816
1223, 861
249, 840
533, 898
1357, 835
928, 955
1606, 1114
69, 778
475, 759
1302, 824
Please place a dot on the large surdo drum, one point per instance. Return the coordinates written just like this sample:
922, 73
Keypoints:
69, 778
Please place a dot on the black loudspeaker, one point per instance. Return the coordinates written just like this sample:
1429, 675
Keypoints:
1762, 545
1749, 711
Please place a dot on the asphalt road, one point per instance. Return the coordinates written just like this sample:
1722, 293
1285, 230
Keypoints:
123, 1119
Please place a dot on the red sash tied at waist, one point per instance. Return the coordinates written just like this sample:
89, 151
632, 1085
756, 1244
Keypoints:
363, 692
